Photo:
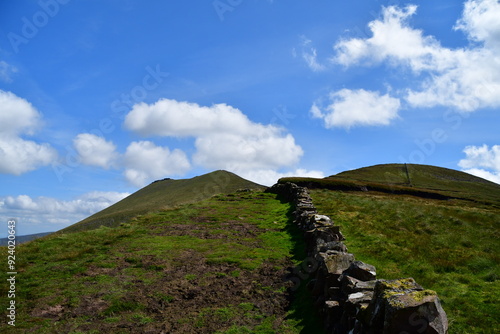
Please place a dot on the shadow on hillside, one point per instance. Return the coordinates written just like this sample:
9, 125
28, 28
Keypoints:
302, 309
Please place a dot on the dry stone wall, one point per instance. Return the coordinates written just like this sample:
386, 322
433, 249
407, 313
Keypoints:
347, 293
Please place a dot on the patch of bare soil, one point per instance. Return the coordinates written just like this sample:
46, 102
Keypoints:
185, 297
175, 304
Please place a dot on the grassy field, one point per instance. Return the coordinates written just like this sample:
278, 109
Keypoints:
447, 246
216, 266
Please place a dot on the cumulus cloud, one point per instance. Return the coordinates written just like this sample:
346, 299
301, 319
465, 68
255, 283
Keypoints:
268, 177
480, 22
6, 71
464, 78
347, 108
144, 161
235, 152
17, 155
482, 161
225, 137
53, 212
17, 115
393, 40
95, 151
183, 119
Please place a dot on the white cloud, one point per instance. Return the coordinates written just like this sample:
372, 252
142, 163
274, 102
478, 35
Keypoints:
144, 162
17, 115
393, 40
463, 78
482, 161
235, 152
17, 155
54, 213
6, 71
225, 137
268, 177
347, 108
183, 119
481, 156
480, 22
95, 151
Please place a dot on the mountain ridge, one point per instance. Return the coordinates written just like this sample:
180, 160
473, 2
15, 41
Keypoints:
163, 194
409, 179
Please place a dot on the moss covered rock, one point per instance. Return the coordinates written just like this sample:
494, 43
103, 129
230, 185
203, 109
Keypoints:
403, 306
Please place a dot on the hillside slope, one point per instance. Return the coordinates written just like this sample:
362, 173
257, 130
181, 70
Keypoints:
410, 179
215, 266
437, 225
163, 194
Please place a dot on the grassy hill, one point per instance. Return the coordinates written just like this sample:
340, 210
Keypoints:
215, 266
164, 194
410, 179
181, 259
449, 182
436, 225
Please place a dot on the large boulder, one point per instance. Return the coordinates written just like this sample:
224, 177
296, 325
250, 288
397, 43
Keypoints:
404, 307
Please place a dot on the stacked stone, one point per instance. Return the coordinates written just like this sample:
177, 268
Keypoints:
347, 293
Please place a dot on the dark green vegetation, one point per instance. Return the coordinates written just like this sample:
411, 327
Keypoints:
164, 194
215, 266
410, 179
450, 246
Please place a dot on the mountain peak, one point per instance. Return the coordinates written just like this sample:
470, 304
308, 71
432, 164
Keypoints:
166, 193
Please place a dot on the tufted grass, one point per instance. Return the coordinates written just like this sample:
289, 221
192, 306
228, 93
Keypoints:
133, 273
447, 246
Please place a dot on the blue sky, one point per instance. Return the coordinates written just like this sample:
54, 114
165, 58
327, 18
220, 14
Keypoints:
100, 98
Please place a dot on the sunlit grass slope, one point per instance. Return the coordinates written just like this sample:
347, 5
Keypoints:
215, 266
164, 194
450, 247
392, 219
410, 179
446, 181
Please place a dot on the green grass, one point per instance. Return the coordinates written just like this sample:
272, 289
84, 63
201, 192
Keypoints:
138, 272
417, 180
179, 249
447, 246
165, 194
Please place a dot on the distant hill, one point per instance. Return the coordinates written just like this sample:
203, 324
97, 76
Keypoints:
20, 239
164, 194
410, 179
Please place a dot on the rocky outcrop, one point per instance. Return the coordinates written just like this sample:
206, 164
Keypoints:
347, 293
